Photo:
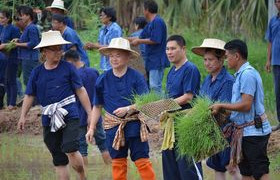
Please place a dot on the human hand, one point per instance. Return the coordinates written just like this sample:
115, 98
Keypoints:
268, 66
215, 108
89, 135
135, 42
20, 125
121, 112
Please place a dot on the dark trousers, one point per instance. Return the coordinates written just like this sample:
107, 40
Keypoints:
178, 168
11, 82
3, 65
276, 75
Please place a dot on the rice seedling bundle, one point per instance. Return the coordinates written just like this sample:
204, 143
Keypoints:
197, 133
11, 45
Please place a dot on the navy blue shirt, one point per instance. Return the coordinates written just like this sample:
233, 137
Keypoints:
184, 80
7, 34
30, 36
114, 92
72, 36
220, 89
2, 55
51, 86
155, 53
88, 77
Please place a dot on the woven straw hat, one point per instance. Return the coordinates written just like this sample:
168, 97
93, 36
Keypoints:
51, 38
208, 43
57, 4
119, 44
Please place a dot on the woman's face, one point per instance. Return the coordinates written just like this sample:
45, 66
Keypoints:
53, 53
3, 20
25, 18
211, 63
104, 18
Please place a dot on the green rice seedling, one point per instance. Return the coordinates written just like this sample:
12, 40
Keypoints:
11, 45
141, 100
197, 133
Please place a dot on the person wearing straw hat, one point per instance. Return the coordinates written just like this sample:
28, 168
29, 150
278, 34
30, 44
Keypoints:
56, 84
124, 131
182, 84
57, 7
251, 128
217, 86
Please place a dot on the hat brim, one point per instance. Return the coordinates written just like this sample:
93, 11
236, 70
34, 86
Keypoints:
200, 50
106, 51
44, 44
57, 7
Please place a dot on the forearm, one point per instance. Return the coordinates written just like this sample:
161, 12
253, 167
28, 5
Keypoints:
84, 99
184, 99
269, 52
146, 41
95, 113
27, 103
22, 44
240, 107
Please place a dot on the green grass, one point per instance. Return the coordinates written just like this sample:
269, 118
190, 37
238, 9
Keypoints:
140, 100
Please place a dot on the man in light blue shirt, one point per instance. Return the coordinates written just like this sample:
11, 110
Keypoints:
252, 128
273, 56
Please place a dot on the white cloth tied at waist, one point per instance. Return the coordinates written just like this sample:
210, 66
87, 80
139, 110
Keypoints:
57, 113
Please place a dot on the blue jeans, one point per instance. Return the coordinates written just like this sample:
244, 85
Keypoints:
155, 80
276, 75
27, 67
11, 82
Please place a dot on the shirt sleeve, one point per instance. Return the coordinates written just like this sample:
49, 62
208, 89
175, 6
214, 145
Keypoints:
75, 79
226, 92
33, 36
73, 38
141, 85
31, 88
248, 83
115, 33
191, 81
99, 89
16, 33
268, 34
157, 31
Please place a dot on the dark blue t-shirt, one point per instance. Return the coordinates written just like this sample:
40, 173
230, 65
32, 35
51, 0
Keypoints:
184, 80
88, 77
114, 92
7, 34
51, 86
155, 53
220, 89
69, 22
72, 36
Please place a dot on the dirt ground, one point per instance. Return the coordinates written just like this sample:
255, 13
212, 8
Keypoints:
9, 119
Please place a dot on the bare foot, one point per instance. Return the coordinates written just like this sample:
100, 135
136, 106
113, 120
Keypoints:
106, 157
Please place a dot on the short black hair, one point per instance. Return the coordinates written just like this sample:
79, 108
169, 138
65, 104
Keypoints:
59, 17
151, 6
72, 54
110, 12
140, 21
25, 10
178, 38
238, 46
8, 14
218, 53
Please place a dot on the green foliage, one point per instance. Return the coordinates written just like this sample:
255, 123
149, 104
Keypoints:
197, 133
11, 45
147, 98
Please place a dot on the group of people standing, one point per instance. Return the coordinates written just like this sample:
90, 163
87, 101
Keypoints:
72, 95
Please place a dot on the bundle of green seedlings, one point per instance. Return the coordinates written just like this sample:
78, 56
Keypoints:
197, 133
11, 45
141, 100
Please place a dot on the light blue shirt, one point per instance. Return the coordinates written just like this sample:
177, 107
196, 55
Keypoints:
248, 81
106, 34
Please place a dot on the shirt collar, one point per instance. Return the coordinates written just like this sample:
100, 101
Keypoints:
242, 68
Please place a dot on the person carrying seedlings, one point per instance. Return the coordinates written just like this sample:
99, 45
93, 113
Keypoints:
154, 37
109, 30
273, 56
57, 7
251, 128
7, 34
88, 77
217, 86
59, 24
183, 81
56, 84
124, 131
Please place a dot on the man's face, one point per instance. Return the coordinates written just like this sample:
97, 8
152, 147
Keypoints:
277, 4
56, 25
53, 53
231, 59
175, 52
211, 63
3, 19
104, 18
118, 59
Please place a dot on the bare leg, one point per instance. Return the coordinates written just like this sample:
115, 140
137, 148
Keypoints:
106, 157
265, 177
76, 161
247, 178
62, 172
220, 175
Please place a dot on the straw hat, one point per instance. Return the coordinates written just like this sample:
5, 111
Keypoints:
119, 44
57, 4
208, 43
51, 38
